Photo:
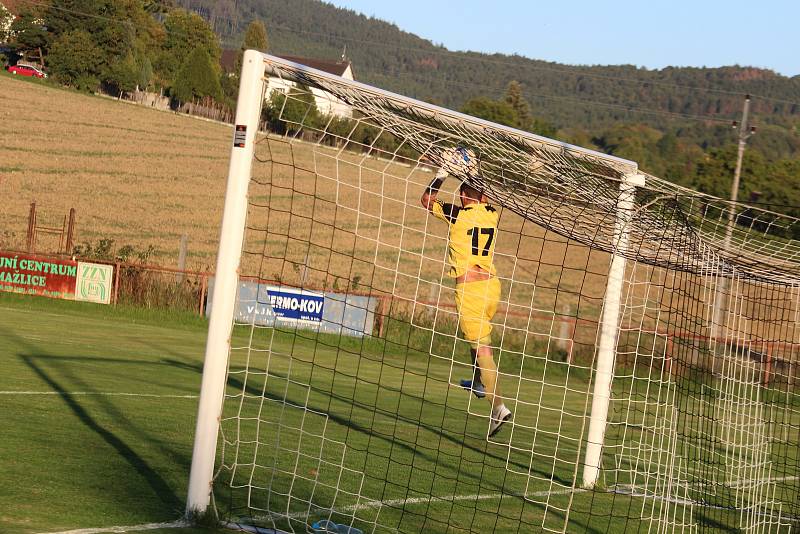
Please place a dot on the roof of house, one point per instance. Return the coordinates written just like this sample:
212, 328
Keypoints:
333, 67
228, 63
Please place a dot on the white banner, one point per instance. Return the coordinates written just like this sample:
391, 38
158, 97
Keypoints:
93, 283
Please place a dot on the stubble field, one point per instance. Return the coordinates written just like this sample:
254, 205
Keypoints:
139, 176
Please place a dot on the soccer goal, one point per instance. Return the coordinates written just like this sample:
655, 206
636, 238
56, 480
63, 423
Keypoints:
331, 394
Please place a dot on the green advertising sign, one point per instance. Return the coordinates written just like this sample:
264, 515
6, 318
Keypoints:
93, 282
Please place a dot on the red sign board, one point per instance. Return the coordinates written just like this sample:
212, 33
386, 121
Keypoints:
37, 275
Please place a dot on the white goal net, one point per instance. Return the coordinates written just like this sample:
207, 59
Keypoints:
337, 349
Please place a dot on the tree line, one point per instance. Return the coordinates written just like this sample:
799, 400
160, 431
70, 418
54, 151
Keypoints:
123, 46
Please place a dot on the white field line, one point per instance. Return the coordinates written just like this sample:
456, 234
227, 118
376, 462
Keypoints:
180, 523
100, 394
477, 497
632, 492
418, 500
735, 484
744, 482
372, 504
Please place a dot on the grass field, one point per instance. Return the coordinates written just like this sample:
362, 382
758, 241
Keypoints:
99, 423
98, 410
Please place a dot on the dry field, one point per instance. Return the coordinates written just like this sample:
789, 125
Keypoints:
136, 175
144, 177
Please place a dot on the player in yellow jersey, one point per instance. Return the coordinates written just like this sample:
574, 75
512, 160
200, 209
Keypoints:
471, 241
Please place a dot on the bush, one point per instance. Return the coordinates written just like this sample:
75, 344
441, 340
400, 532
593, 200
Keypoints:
75, 60
140, 286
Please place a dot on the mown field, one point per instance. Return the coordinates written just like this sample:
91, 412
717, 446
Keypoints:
98, 409
144, 177
139, 176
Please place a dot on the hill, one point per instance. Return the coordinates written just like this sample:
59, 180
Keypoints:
588, 97
676, 122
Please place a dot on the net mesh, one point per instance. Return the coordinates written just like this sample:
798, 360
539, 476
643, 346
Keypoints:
344, 411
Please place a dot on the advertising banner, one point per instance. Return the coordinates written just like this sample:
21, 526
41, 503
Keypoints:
93, 283
32, 275
281, 306
56, 277
293, 304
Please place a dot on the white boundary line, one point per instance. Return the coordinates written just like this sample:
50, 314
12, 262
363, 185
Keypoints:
99, 393
417, 500
180, 523
362, 506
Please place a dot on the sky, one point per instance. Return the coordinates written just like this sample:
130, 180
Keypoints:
646, 33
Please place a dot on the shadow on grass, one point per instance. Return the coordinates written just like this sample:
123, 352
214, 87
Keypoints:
32, 358
239, 385
159, 486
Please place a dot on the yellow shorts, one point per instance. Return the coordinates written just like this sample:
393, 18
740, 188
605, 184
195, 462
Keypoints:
476, 303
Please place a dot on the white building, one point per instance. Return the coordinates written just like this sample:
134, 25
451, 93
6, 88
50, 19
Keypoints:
326, 104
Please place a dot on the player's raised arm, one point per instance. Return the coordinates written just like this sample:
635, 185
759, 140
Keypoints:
429, 195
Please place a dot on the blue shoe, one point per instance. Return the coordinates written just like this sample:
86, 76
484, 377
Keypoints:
326, 526
476, 390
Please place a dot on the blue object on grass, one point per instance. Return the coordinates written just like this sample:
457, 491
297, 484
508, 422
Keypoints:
329, 527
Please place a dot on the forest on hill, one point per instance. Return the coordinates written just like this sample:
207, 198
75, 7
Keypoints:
676, 122
583, 96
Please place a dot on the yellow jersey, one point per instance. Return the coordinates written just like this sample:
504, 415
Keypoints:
471, 238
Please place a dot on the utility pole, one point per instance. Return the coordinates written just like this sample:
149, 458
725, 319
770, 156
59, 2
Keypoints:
744, 135
722, 288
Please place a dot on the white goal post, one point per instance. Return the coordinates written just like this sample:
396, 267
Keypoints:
628, 412
220, 324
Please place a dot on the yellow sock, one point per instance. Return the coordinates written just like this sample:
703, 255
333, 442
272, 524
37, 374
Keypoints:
489, 376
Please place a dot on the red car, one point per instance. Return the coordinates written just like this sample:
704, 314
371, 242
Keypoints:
26, 70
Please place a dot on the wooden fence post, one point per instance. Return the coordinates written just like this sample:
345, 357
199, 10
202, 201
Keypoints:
380, 315
31, 241
70, 232
767, 363
182, 257
668, 356
116, 283
203, 289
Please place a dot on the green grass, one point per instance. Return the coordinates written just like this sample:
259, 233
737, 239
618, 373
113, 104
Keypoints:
107, 438
81, 455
